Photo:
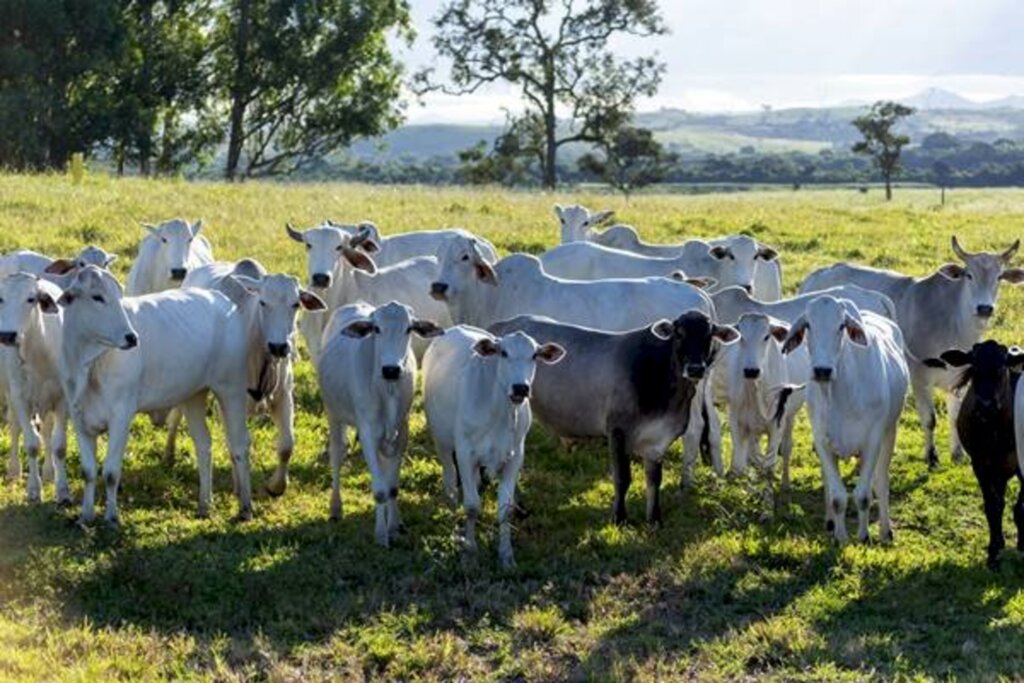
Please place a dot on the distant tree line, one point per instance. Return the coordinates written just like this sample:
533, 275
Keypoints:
159, 86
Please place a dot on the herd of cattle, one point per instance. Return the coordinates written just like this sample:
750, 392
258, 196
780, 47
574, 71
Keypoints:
603, 336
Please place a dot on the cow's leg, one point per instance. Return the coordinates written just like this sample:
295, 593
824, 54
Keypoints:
691, 440
786, 449
652, 470
394, 475
1018, 514
14, 454
869, 461
469, 476
740, 456
881, 485
338, 448
33, 448
713, 430
87, 458
282, 413
924, 401
835, 492
994, 493
953, 401
117, 442
621, 475
449, 471
232, 408
171, 445
59, 455
370, 443
194, 411
45, 432
506, 509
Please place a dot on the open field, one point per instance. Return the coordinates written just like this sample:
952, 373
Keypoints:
713, 594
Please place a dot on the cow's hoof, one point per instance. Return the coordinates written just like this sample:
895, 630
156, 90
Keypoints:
886, 537
830, 525
244, 515
275, 490
64, 502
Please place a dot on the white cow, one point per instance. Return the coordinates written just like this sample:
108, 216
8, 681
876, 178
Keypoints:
269, 303
166, 255
759, 395
367, 373
480, 294
122, 356
476, 396
393, 249
746, 253
31, 333
859, 383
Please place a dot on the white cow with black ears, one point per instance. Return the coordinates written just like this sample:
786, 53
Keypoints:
367, 373
124, 355
476, 395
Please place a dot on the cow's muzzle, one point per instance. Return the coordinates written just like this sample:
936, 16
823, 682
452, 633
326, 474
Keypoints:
279, 350
694, 371
822, 374
8, 338
751, 373
985, 310
391, 373
320, 280
178, 274
131, 340
520, 392
439, 290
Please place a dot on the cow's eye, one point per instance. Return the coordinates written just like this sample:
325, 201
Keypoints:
968, 276
1, 301
295, 305
164, 240
466, 257
586, 223
30, 300
766, 337
504, 354
309, 247
339, 247
97, 298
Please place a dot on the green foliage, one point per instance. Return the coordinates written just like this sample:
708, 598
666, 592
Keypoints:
305, 78
557, 55
714, 594
880, 142
630, 159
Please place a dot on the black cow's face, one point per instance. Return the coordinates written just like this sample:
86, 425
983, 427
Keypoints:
987, 366
693, 337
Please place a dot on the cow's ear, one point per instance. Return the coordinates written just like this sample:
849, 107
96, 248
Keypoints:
726, 334
698, 282
601, 217
855, 332
549, 353
720, 252
778, 329
953, 271
426, 328
796, 335
310, 301
153, 229
1014, 276
485, 272
110, 260
294, 234
935, 363
956, 357
68, 296
197, 227
358, 259
359, 328
367, 238
1016, 357
60, 266
46, 303
663, 329
251, 285
559, 209
486, 347
766, 253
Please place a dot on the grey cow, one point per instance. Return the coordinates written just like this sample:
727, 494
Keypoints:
950, 308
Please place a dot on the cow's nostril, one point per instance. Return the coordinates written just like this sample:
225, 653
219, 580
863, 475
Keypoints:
278, 350
391, 372
8, 338
822, 374
438, 290
321, 280
131, 340
751, 373
749, 289
985, 311
178, 274
695, 370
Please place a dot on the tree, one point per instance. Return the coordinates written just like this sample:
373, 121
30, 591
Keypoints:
880, 142
629, 160
57, 60
302, 78
557, 55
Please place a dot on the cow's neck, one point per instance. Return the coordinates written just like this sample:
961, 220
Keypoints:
79, 354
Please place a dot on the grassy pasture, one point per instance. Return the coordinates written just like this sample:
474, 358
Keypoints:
713, 594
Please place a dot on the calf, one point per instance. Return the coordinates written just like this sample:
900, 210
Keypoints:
367, 373
166, 255
31, 333
988, 426
759, 395
636, 389
122, 356
269, 304
477, 399
859, 381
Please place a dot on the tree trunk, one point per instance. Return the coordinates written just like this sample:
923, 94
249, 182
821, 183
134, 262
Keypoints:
239, 91
550, 127
888, 187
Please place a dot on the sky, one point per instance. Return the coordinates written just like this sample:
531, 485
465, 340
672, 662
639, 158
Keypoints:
735, 55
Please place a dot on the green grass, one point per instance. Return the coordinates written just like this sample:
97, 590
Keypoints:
714, 594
